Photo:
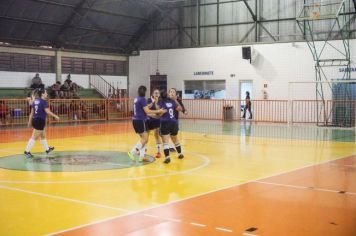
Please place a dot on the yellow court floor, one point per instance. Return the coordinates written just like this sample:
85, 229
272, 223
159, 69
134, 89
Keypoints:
97, 181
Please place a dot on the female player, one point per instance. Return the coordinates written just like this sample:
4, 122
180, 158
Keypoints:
173, 95
153, 122
141, 110
37, 119
169, 125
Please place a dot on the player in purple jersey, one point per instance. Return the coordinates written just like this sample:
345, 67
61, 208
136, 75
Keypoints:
153, 121
173, 95
169, 125
141, 110
37, 119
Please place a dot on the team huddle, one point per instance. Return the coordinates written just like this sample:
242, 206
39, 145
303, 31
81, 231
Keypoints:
158, 114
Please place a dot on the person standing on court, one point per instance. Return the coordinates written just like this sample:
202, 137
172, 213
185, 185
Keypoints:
139, 121
247, 105
37, 119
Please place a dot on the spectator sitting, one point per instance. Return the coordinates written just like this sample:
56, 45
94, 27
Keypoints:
83, 110
37, 82
63, 109
68, 80
74, 88
74, 112
55, 90
99, 109
65, 88
4, 113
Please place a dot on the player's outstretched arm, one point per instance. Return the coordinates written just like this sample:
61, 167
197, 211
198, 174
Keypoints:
179, 108
30, 118
48, 111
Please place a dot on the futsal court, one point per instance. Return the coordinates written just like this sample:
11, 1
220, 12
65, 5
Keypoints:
178, 117
240, 182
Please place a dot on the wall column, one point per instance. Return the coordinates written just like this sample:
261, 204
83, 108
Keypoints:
58, 66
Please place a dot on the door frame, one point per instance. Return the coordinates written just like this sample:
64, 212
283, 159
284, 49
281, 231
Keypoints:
244, 81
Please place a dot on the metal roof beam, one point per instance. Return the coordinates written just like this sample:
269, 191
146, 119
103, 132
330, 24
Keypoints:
60, 25
101, 11
61, 33
169, 17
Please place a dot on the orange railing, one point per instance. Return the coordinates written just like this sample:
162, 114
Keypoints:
119, 109
79, 109
263, 110
16, 111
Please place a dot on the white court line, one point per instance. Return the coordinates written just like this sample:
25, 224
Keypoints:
224, 229
194, 196
248, 234
304, 187
197, 224
343, 165
173, 220
64, 199
149, 215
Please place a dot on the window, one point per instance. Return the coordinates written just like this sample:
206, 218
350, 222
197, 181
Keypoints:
93, 66
204, 89
26, 62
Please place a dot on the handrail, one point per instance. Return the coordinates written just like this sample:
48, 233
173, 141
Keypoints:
16, 111
101, 85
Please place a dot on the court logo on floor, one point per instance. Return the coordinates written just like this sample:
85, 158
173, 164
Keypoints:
72, 161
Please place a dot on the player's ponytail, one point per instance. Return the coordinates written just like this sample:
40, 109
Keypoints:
164, 94
142, 91
37, 93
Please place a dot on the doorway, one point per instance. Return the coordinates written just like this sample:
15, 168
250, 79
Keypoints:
245, 86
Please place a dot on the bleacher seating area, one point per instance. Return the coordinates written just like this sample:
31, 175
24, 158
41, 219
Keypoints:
19, 93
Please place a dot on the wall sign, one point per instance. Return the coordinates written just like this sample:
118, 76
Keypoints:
203, 73
345, 69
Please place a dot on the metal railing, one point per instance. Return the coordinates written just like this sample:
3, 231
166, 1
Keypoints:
16, 111
101, 85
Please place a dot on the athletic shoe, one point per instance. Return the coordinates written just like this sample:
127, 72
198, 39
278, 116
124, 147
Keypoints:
50, 149
180, 156
143, 159
158, 155
28, 154
167, 160
132, 156
172, 149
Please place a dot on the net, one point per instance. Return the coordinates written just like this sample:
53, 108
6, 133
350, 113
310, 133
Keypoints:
318, 10
324, 103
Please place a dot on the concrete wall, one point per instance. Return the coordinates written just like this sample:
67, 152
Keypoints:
23, 79
273, 64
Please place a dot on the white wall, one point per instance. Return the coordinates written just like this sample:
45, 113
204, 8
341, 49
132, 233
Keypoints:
273, 64
23, 79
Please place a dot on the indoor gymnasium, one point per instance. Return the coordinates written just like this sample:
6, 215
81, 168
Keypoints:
177, 117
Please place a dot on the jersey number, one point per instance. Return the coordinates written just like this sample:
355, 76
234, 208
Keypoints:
36, 109
171, 113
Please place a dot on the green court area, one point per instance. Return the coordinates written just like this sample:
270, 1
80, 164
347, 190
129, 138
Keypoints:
73, 161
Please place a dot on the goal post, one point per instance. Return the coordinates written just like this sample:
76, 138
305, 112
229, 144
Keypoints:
325, 103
